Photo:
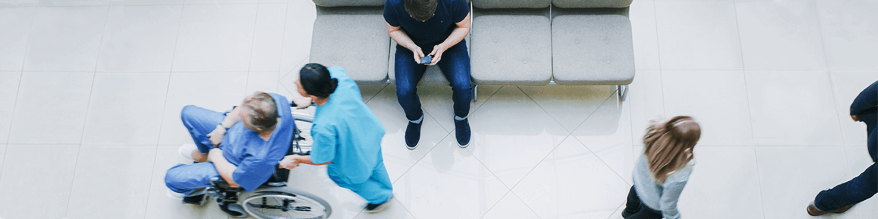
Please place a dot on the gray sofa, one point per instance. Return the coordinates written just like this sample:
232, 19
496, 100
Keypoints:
512, 42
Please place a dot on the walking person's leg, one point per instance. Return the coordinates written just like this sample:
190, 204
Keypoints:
455, 65
408, 73
634, 209
843, 196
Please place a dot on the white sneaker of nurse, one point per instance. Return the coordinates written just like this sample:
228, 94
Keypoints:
186, 151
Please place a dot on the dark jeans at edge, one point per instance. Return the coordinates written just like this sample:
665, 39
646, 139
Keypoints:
455, 66
638, 210
861, 187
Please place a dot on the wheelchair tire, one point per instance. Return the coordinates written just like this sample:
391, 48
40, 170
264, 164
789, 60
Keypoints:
285, 202
235, 210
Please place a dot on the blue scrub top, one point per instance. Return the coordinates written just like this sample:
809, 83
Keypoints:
435, 30
347, 133
255, 157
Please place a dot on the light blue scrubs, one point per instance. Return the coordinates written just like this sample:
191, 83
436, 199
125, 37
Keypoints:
347, 133
254, 157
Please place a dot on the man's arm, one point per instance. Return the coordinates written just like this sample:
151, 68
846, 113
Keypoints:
867, 99
216, 136
401, 38
456, 36
223, 166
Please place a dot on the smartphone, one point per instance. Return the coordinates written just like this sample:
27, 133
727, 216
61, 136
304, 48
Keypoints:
426, 60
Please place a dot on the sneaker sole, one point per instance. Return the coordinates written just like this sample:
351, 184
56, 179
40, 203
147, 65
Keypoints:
411, 148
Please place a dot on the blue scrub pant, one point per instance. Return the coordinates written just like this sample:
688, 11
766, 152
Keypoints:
186, 178
455, 65
377, 189
861, 187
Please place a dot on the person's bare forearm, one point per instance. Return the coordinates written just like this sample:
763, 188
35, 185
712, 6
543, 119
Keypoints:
456, 36
307, 160
223, 166
232, 117
401, 38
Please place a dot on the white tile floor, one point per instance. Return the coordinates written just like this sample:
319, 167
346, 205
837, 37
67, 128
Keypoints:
90, 94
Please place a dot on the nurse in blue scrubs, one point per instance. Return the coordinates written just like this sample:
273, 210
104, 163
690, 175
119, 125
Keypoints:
347, 135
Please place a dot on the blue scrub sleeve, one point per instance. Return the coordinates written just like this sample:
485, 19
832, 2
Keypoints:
390, 14
253, 172
325, 143
459, 10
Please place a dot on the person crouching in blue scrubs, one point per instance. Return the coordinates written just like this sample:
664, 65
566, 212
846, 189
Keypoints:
347, 135
242, 146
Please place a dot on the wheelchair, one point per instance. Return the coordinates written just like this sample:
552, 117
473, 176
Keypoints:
273, 199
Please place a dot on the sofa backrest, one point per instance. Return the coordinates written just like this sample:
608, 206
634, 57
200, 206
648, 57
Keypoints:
495, 4
592, 3
342, 3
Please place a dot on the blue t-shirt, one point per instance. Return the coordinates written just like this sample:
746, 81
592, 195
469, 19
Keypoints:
255, 157
436, 29
347, 133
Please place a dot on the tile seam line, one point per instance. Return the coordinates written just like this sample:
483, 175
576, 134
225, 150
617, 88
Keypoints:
604, 162
538, 164
547, 112
829, 77
84, 120
164, 109
20, 76
253, 41
749, 111
283, 41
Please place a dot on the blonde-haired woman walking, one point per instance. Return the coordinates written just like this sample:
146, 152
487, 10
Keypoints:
663, 169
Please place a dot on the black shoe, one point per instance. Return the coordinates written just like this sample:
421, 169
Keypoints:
376, 208
461, 128
195, 199
413, 135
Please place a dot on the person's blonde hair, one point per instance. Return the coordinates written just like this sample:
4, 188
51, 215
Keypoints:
669, 146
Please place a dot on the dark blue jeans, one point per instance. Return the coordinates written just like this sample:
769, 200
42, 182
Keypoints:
455, 66
861, 187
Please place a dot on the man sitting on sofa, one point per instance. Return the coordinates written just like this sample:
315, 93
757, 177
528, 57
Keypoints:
433, 29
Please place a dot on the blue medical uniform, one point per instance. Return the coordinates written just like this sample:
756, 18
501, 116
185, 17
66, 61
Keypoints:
254, 157
347, 133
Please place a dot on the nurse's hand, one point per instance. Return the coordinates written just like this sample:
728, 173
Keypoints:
289, 162
302, 102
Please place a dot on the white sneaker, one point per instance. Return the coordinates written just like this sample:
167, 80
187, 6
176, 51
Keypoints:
175, 195
186, 151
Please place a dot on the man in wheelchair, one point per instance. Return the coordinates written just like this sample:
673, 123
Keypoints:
242, 146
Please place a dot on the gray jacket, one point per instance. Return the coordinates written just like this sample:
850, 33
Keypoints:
660, 197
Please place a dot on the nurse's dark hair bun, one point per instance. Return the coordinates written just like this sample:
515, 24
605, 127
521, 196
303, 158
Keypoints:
316, 80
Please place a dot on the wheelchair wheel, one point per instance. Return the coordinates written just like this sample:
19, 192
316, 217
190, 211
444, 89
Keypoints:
286, 202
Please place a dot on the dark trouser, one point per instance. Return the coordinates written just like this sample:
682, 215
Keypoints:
861, 187
455, 65
637, 210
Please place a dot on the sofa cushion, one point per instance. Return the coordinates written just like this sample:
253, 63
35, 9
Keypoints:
491, 4
594, 49
592, 3
512, 49
432, 76
358, 42
337, 3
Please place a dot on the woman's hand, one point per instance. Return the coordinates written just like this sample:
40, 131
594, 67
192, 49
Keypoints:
216, 136
289, 162
302, 102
